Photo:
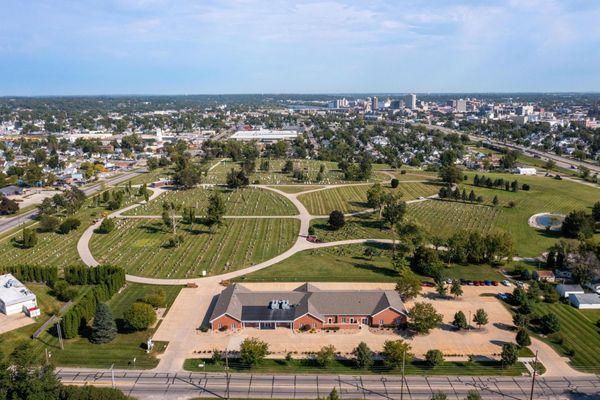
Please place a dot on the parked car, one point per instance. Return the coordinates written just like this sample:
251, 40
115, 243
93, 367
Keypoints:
427, 284
506, 282
494, 283
470, 283
476, 283
487, 283
503, 296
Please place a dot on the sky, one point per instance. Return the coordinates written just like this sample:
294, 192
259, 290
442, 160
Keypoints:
90, 47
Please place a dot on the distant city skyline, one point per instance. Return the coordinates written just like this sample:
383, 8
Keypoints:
332, 47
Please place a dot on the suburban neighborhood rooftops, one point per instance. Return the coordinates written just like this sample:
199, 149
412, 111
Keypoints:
569, 288
12, 291
243, 304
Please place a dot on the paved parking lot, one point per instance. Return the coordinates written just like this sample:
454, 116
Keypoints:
12, 322
191, 306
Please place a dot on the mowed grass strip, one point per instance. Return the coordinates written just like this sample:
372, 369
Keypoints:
443, 218
580, 334
137, 245
249, 201
353, 198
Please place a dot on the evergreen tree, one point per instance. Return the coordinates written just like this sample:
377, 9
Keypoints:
104, 328
363, 356
495, 201
460, 321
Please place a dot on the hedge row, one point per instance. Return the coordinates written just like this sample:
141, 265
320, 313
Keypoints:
107, 280
32, 273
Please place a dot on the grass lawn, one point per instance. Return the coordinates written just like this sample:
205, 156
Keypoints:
349, 264
137, 245
250, 201
580, 334
152, 176
274, 176
354, 198
121, 351
296, 188
308, 366
362, 226
546, 195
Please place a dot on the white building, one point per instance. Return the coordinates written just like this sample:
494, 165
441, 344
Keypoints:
16, 298
567, 290
526, 171
410, 100
586, 301
266, 135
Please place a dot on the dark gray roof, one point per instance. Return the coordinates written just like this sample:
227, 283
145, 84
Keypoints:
243, 304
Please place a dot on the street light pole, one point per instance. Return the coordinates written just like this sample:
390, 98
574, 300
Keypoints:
402, 383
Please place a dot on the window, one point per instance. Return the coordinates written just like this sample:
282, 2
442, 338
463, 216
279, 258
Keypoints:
232, 326
380, 322
219, 326
343, 320
352, 321
329, 320
314, 325
365, 321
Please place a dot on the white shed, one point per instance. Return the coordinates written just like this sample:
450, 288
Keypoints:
526, 171
14, 296
566, 290
586, 301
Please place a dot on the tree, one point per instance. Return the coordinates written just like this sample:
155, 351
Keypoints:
460, 321
106, 226
473, 395
425, 261
326, 356
156, 297
29, 238
480, 317
522, 338
510, 354
450, 174
434, 357
440, 287
394, 183
423, 317
550, 323
8, 206
48, 223
189, 215
170, 215
140, 316
495, 201
596, 211
439, 396
363, 356
237, 179
288, 167
104, 328
215, 210
68, 225
253, 351
27, 378
265, 165
336, 220
394, 352
577, 224
376, 197
408, 285
456, 288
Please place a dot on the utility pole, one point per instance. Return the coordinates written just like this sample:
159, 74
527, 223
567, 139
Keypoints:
402, 383
533, 375
227, 372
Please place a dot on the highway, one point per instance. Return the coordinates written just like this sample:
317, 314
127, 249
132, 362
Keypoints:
186, 385
9, 223
560, 161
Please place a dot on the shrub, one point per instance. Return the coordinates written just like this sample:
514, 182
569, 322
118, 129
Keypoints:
204, 328
311, 230
394, 183
106, 226
48, 223
326, 356
68, 225
403, 172
525, 186
253, 351
434, 357
550, 323
29, 238
156, 298
523, 339
363, 356
509, 354
140, 316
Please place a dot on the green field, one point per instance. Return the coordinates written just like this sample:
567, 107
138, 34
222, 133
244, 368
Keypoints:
137, 246
580, 333
350, 264
362, 226
249, 201
347, 367
54, 248
350, 199
443, 218
296, 188
121, 351
274, 176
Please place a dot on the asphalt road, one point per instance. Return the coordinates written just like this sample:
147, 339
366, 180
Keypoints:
185, 385
563, 162
9, 223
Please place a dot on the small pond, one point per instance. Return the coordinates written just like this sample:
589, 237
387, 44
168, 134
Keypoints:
550, 220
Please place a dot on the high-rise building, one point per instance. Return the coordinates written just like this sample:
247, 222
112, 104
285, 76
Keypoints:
410, 100
460, 105
374, 103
